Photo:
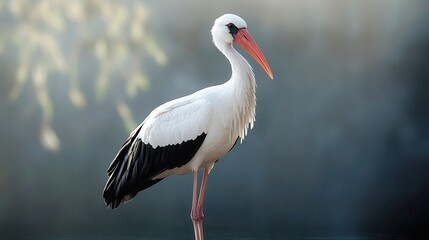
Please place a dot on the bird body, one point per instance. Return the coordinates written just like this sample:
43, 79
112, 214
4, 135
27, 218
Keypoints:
225, 111
192, 132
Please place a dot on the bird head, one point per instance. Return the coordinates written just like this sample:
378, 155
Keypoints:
229, 29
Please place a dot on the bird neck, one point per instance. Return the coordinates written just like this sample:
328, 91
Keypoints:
241, 86
242, 72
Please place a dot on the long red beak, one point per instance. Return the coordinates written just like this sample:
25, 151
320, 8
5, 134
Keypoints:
245, 40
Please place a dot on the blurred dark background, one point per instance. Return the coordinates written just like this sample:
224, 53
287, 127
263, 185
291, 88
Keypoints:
341, 140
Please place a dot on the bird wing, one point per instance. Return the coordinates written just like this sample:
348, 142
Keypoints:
176, 121
168, 138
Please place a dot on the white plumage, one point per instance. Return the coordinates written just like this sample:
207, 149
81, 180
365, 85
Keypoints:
224, 111
194, 131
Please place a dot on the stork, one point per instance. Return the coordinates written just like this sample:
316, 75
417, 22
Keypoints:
192, 132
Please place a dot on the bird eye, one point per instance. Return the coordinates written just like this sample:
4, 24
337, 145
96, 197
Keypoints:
232, 28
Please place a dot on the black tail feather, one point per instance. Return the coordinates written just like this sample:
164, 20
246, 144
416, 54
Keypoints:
137, 163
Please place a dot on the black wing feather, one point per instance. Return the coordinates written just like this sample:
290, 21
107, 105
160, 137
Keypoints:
137, 163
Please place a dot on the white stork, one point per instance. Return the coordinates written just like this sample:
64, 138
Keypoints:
192, 132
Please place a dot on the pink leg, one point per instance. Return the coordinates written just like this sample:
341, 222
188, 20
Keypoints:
197, 205
202, 192
194, 215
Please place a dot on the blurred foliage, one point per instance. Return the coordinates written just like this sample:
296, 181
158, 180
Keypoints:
51, 38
